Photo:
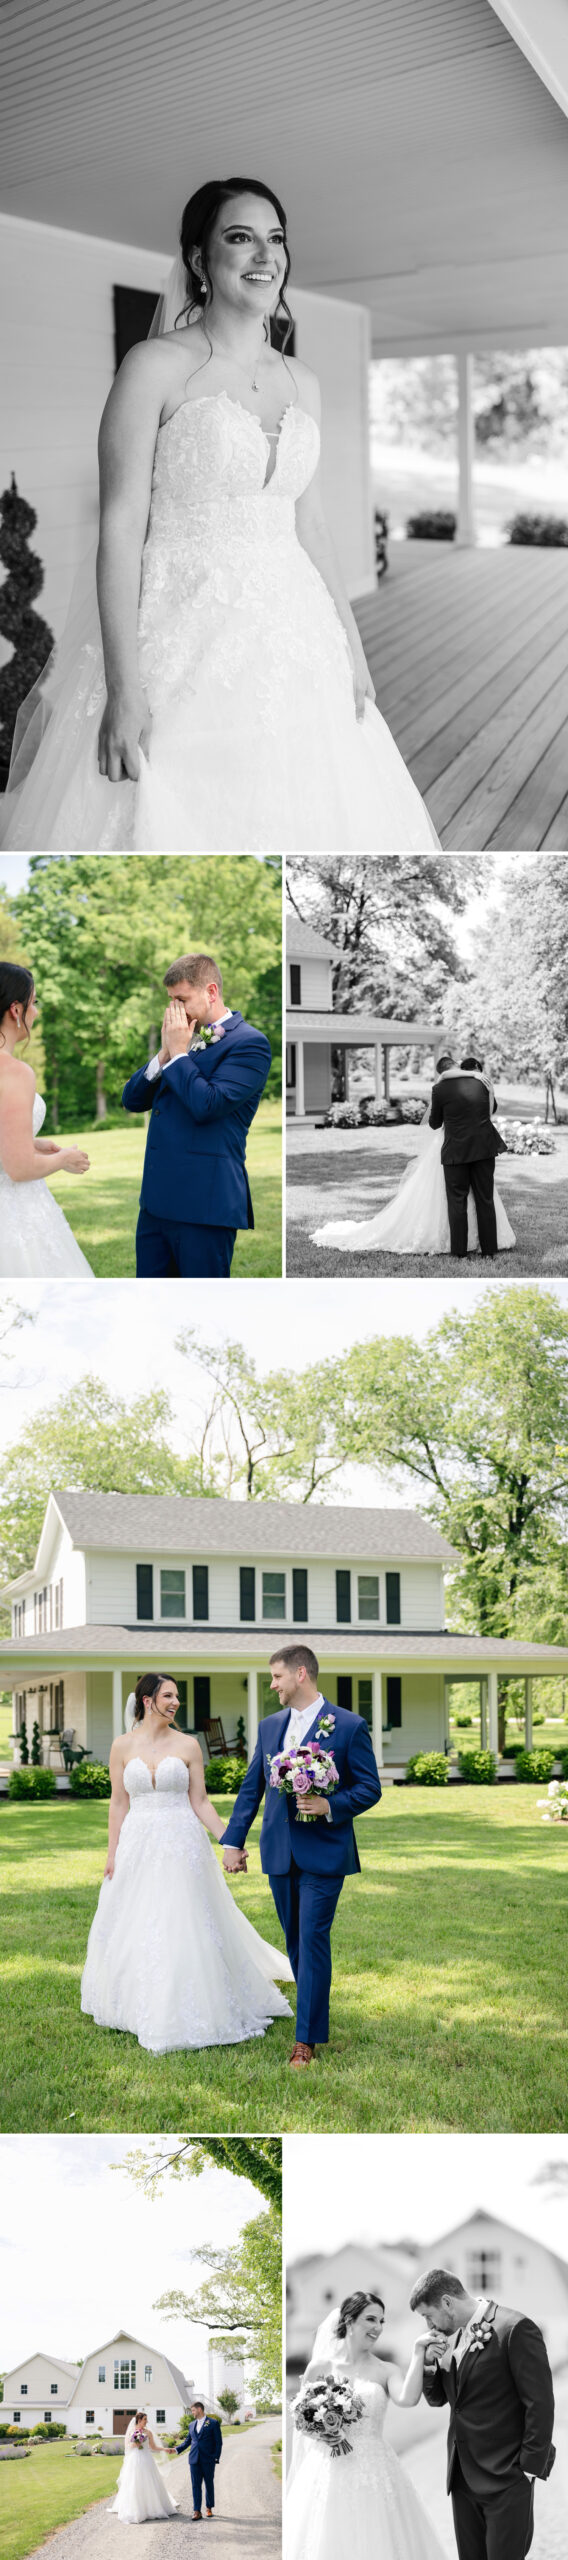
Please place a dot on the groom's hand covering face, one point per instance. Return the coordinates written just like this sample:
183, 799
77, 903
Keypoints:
176, 1031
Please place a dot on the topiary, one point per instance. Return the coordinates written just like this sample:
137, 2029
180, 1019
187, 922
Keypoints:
26, 1783
32, 640
428, 1769
36, 1747
89, 1778
24, 1744
477, 1768
536, 1764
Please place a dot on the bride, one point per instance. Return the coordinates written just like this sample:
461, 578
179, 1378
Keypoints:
223, 702
142, 2493
362, 2502
35, 1240
416, 1219
171, 1959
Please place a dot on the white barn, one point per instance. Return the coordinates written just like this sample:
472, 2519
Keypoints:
488, 2254
38, 2391
100, 2396
204, 1589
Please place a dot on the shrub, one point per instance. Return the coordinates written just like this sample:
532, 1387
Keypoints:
89, 1778
224, 1776
432, 524
47, 2431
477, 1768
31, 1782
36, 1748
428, 1769
554, 1806
511, 1750
462, 1719
550, 531
535, 1764
24, 1744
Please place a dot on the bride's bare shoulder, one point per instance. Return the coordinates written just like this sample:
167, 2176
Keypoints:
12, 1074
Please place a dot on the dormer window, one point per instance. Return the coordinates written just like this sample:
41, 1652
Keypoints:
295, 982
368, 1593
172, 1593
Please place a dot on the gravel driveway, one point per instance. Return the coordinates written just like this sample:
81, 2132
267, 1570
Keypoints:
246, 2526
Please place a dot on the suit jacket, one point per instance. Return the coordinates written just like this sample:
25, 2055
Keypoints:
502, 2406
461, 1106
209, 2437
201, 1109
325, 1848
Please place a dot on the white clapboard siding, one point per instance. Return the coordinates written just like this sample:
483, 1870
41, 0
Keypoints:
316, 985
111, 1592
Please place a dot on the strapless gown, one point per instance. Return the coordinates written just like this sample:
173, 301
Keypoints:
255, 746
171, 1958
416, 1219
361, 2502
36, 1242
142, 2490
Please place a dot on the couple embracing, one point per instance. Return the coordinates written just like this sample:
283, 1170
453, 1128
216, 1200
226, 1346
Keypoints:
163, 1893
446, 1201
202, 1090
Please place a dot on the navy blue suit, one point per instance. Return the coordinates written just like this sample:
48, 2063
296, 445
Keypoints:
195, 1190
205, 2451
306, 1862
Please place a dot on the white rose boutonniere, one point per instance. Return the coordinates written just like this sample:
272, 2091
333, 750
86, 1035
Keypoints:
325, 1727
209, 1033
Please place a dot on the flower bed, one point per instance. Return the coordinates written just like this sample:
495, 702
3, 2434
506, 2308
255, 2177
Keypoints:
367, 1114
528, 1138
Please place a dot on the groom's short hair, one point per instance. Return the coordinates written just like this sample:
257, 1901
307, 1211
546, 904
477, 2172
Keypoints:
198, 2404
197, 967
445, 1060
470, 1061
294, 1655
434, 2286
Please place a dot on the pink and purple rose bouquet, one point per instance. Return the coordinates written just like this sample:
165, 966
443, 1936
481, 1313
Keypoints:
303, 1771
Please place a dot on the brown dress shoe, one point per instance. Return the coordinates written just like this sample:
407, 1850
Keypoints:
300, 2057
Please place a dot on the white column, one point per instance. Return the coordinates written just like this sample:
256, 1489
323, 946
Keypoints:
252, 1685
117, 1726
483, 1712
466, 525
378, 1072
528, 1714
493, 1718
387, 1069
377, 1731
300, 1104
346, 1072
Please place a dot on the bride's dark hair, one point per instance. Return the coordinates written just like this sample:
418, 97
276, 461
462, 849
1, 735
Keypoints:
352, 2307
16, 987
147, 1687
197, 225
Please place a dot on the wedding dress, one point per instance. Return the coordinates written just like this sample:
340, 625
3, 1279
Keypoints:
35, 1239
171, 1959
255, 746
416, 1219
142, 2491
360, 2502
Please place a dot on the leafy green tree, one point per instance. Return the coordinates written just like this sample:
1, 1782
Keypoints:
278, 1430
228, 2401
240, 2302
87, 1437
257, 2158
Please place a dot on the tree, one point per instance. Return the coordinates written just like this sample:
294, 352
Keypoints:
228, 2401
276, 1431
240, 2302
394, 935
88, 1438
518, 990
31, 638
258, 2159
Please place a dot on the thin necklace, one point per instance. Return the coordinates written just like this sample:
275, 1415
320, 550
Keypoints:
241, 368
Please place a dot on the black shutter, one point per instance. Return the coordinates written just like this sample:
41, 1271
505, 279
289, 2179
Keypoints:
144, 1591
394, 1700
200, 1574
343, 1597
295, 982
393, 1599
345, 1691
201, 1700
248, 1591
300, 1594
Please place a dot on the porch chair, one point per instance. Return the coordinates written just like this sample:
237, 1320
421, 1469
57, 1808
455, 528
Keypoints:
72, 1751
215, 1738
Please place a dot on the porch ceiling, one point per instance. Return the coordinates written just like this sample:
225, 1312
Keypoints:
357, 1030
88, 1648
421, 158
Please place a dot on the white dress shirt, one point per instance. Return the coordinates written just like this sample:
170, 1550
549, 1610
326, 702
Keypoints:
464, 2341
155, 1067
301, 1718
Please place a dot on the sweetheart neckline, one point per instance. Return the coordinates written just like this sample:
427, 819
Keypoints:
145, 1764
270, 436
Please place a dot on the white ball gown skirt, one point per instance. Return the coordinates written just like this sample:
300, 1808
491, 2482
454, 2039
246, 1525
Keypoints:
36, 1242
360, 2504
142, 2491
171, 1958
254, 746
416, 1219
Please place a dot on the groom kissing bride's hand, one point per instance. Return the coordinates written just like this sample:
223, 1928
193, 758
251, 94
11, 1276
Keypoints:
202, 1090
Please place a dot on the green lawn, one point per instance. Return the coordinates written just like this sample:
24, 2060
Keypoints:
102, 1205
361, 1183
448, 2004
48, 2489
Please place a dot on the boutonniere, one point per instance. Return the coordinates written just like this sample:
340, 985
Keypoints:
326, 1726
210, 1031
482, 2329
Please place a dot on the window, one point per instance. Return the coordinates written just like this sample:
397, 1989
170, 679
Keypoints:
102, 2373
365, 1701
368, 1590
343, 1597
295, 982
200, 1578
172, 1593
160, 2417
89, 2417
274, 1595
144, 1591
19, 1617
393, 1599
247, 1579
58, 1604
394, 1700
16, 2418
47, 2417
24, 2390
147, 2373
53, 2390
484, 2271
41, 1612
300, 1594
125, 2373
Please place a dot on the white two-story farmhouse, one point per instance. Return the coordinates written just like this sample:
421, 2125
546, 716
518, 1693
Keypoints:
205, 1590
315, 1026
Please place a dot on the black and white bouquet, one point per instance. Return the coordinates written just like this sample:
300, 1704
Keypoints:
324, 2409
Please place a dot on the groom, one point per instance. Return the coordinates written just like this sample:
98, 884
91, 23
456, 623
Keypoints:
462, 1106
306, 1863
492, 2368
202, 1090
205, 2448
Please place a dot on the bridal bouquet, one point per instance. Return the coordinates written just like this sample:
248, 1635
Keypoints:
324, 2409
304, 1770
138, 2435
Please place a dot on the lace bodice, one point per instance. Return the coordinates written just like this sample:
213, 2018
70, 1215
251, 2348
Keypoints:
214, 450
375, 2399
170, 1780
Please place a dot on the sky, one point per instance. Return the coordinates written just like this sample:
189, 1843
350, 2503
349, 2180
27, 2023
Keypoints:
83, 2252
128, 1335
377, 2187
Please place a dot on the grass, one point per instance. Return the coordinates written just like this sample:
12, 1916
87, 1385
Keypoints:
448, 2001
48, 2489
363, 1185
102, 1205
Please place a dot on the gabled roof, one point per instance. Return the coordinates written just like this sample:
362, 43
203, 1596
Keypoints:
303, 943
500, 2221
128, 2338
59, 2362
178, 1524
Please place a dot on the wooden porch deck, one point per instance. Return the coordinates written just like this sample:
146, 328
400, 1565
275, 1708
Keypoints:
469, 654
